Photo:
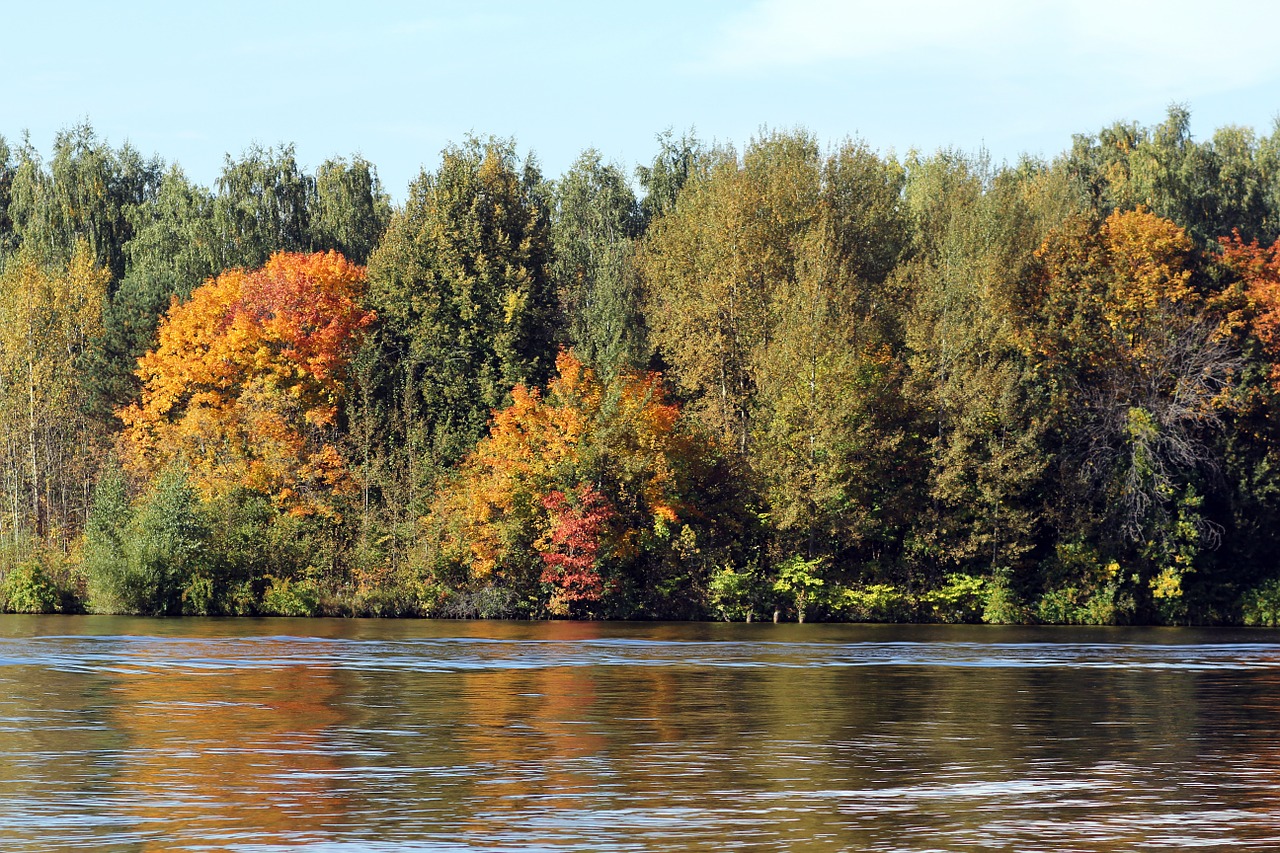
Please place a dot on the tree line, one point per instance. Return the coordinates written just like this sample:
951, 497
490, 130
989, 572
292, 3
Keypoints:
787, 381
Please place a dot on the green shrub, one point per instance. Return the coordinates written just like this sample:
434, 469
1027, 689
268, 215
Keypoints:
28, 589
799, 580
1058, 607
488, 602
875, 603
735, 595
198, 597
162, 562
961, 599
105, 561
1260, 607
1107, 605
240, 599
1001, 605
284, 597
390, 601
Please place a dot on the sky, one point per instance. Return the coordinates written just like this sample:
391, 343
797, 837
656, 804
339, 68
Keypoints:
396, 82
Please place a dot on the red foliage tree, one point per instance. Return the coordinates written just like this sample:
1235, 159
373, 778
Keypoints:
570, 554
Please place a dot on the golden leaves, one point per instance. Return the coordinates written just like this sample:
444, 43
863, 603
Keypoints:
247, 380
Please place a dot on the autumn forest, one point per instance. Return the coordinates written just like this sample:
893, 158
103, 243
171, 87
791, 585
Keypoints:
790, 381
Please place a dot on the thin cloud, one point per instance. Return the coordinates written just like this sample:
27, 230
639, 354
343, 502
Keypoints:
1152, 46
776, 34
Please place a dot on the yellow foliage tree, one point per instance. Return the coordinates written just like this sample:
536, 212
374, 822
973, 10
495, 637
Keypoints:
48, 315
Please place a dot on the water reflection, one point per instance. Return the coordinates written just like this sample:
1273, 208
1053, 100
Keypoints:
205, 734
226, 753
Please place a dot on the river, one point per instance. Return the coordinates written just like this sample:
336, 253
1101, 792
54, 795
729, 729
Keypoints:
352, 735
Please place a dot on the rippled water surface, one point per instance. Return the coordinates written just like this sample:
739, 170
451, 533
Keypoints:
268, 735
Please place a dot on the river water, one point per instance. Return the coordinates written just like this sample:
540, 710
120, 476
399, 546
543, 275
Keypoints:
330, 735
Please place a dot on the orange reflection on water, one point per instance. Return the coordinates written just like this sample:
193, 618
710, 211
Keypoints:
228, 753
539, 729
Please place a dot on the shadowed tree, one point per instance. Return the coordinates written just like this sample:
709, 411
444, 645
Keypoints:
1145, 371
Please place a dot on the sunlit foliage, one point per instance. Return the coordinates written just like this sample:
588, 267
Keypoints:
247, 382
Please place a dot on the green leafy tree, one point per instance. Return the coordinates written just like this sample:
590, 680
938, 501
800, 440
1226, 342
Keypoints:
84, 194
263, 206
831, 429
597, 218
168, 566
983, 410
462, 285
713, 267
172, 251
675, 162
8, 238
767, 295
1208, 188
350, 211
106, 533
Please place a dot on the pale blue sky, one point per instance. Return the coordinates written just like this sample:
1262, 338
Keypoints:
396, 81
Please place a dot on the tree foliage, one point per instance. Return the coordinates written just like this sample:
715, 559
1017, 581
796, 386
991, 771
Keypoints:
817, 382
597, 220
1146, 369
462, 284
980, 408
247, 382
1259, 270
593, 491
49, 313
83, 196
767, 297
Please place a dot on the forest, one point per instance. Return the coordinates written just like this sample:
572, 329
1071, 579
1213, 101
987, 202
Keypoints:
796, 381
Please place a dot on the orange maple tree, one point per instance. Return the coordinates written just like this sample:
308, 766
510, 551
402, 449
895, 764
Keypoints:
247, 379
1259, 270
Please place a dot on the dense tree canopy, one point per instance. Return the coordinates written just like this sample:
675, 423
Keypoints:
462, 284
787, 379
594, 469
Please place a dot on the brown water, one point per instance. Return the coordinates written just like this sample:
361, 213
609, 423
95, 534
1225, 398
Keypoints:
272, 735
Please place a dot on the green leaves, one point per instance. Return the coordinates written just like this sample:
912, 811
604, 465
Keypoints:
152, 559
462, 284
596, 221
801, 581
351, 209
